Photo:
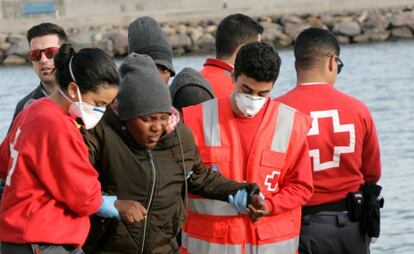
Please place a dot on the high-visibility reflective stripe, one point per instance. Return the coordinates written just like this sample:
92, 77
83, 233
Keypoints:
283, 129
211, 207
211, 124
197, 246
286, 247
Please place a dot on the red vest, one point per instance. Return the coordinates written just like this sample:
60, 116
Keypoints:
214, 226
218, 74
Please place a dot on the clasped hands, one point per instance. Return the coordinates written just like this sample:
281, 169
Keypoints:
254, 204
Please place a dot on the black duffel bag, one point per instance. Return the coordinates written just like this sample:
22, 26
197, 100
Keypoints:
373, 202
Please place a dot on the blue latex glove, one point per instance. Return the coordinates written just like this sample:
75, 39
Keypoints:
239, 201
108, 209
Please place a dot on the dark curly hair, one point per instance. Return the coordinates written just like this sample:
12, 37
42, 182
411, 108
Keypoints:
259, 61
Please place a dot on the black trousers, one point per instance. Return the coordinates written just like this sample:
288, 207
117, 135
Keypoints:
331, 232
13, 248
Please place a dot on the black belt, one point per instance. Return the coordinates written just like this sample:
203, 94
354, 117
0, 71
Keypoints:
339, 206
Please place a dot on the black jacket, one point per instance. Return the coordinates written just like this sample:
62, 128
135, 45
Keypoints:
155, 178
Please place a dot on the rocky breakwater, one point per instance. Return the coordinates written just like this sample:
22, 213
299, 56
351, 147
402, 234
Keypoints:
197, 37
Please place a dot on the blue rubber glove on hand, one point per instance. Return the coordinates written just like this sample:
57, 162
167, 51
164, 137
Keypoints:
239, 201
108, 209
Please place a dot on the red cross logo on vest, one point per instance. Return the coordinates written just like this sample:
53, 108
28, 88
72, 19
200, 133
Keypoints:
342, 133
272, 181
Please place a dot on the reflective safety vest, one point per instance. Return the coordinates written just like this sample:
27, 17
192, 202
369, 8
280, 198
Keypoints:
215, 227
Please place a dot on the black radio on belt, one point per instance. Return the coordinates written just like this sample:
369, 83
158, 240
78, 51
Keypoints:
355, 201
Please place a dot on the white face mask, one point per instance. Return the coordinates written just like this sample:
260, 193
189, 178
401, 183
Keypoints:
248, 104
90, 115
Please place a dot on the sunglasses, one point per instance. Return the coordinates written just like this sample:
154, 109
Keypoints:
36, 55
339, 62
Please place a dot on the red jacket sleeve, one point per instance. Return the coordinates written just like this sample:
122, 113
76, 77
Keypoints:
4, 157
65, 170
297, 186
371, 163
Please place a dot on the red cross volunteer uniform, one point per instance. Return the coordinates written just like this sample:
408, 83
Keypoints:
343, 142
218, 74
51, 187
278, 162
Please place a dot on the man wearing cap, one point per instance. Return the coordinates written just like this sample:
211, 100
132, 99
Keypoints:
138, 160
188, 88
146, 37
232, 33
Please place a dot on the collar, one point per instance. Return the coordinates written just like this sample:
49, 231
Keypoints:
314, 84
219, 63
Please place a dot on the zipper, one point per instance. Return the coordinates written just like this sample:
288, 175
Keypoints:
152, 166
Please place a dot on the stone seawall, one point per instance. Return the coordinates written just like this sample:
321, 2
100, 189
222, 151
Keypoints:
197, 37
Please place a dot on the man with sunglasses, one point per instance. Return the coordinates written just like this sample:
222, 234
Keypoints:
44, 41
343, 147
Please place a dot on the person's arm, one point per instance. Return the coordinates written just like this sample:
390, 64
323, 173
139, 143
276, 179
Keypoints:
371, 163
204, 181
64, 168
297, 186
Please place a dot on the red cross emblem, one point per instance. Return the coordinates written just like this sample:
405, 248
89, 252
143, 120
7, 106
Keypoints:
326, 128
272, 181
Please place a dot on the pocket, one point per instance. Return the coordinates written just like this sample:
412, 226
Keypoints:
271, 165
277, 228
216, 158
208, 228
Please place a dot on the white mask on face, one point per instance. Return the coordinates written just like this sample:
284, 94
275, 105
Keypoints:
248, 104
90, 115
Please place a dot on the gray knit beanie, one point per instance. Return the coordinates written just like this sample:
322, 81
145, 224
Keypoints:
146, 37
142, 91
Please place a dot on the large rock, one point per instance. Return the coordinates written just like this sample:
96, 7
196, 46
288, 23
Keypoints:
375, 20
211, 29
343, 39
4, 46
120, 43
293, 30
402, 32
283, 40
2, 57
291, 19
349, 28
18, 45
195, 33
14, 60
328, 20
377, 35
271, 31
3, 37
362, 38
315, 22
168, 30
179, 41
403, 19
181, 29
82, 40
206, 44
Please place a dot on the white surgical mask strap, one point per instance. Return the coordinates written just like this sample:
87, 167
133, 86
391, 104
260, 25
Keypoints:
70, 69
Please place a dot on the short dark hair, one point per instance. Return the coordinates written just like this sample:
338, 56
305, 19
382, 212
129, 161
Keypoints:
314, 44
233, 31
91, 67
46, 29
259, 61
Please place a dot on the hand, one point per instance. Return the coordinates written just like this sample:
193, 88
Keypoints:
131, 211
239, 201
257, 208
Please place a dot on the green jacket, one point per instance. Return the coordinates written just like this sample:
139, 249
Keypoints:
153, 177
